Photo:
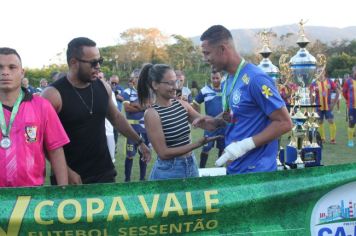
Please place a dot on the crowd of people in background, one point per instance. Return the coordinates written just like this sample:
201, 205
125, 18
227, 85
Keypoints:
82, 114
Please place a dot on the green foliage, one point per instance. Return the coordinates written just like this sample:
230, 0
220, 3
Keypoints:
339, 65
183, 53
35, 75
201, 78
332, 154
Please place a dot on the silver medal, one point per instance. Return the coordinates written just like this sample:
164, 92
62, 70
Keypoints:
5, 142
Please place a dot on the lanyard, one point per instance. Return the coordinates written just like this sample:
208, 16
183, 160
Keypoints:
225, 98
6, 130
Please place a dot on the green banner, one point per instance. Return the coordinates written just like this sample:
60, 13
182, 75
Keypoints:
313, 201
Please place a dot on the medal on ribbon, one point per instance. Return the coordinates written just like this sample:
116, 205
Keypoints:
225, 98
5, 142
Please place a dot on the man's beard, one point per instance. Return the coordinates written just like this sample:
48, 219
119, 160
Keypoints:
84, 77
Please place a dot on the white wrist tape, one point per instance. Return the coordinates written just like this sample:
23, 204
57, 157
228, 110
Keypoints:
236, 150
223, 159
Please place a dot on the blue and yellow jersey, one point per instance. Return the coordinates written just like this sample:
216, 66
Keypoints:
252, 99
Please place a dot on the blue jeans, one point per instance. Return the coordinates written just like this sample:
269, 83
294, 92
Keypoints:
175, 168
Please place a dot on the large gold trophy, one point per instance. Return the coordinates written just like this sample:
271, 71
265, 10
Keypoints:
301, 70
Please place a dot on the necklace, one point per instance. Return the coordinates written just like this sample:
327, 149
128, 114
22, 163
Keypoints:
84, 103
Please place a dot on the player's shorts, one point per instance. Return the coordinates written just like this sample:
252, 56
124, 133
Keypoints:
131, 147
326, 115
352, 116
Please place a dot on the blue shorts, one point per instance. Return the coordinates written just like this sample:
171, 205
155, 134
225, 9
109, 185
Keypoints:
326, 115
131, 147
175, 168
219, 143
352, 116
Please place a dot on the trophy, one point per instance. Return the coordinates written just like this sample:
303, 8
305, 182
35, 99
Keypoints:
299, 132
301, 69
267, 66
313, 128
303, 66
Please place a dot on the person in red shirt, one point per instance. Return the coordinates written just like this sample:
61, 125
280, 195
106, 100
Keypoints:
349, 93
320, 94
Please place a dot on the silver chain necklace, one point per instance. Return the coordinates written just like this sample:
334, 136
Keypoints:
92, 98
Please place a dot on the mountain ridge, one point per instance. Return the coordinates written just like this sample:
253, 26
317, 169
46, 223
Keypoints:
247, 40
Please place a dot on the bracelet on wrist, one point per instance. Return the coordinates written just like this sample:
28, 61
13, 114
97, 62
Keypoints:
140, 141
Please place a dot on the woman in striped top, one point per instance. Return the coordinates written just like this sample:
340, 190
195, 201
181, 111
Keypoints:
167, 123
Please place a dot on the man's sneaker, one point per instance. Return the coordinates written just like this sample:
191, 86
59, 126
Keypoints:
350, 143
332, 141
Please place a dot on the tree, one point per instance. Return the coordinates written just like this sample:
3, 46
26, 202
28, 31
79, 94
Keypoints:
317, 47
338, 65
181, 53
351, 48
35, 75
143, 45
337, 47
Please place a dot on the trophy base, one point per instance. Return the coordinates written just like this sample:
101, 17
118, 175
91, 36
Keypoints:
300, 165
280, 167
311, 156
314, 145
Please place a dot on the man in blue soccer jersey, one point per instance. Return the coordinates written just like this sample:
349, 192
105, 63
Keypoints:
253, 109
211, 96
134, 115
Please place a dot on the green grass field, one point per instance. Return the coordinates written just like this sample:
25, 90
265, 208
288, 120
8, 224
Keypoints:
332, 154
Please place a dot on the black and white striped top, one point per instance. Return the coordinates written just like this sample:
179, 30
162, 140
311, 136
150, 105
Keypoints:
174, 123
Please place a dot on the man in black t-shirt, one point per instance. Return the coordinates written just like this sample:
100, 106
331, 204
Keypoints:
82, 103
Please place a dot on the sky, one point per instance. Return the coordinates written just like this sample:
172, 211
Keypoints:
40, 29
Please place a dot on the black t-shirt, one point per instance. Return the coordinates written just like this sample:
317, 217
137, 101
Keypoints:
87, 153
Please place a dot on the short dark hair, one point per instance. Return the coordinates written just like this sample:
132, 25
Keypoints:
216, 34
76, 45
135, 73
9, 51
179, 73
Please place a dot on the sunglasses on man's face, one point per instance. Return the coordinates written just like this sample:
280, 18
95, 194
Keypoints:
92, 63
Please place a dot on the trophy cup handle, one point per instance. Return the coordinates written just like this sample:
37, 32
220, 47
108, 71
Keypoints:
321, 66
284, 68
